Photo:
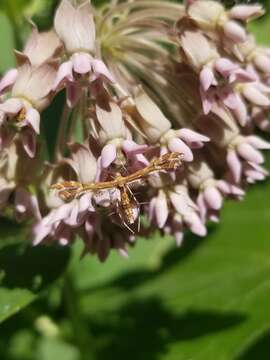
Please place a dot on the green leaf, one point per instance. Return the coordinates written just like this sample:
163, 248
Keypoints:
206, 300
25, 270
7, 59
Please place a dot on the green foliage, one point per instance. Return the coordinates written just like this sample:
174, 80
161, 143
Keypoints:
207, 300
7, 43
25, 270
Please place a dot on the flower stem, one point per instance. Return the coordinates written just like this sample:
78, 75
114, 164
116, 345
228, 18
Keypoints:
82, 334
62, 133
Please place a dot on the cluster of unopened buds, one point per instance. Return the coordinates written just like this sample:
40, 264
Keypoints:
162, 104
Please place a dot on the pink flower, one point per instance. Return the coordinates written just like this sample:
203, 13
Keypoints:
15, 193
211, 192
211, 15
158, 129
114, 137
40, 48
243, 151
20, 113
184, 212
82, 67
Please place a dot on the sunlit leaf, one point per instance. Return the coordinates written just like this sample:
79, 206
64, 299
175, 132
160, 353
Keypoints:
206, 300
7, 59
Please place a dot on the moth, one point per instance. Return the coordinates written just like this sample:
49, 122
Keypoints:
127, 206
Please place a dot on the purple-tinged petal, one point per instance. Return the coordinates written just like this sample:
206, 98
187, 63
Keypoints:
82, 63
82, 155
254, 175
29, 143
202, 206
207, 101
72, 219
64, 74
40, 232
195, 224
161, 207
207, 78
213, 198
100, 69
32, 117
130, 147
235, 165
225, 67
240, 111
108, 155
11, 106
8, 80
241, 75
191, 136
257, 142
247, 152
85, 203
177, 229
227, 188
259, 116
102, 198
152, 209
246, 12
64, 236
214, 216
234, 31
123, 252
255, 96
262, 63
230, 100
60, 214
177, 145
21, 201
180, 203
90, 230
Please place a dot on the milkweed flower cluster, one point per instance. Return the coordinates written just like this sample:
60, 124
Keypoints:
143, 80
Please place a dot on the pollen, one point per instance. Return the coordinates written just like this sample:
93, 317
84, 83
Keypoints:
21, 115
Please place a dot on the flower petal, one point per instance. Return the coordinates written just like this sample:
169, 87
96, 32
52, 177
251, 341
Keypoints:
235, 165
32, 117
108, 155
213, 198
8, 80
130, 147
64, 73
82, 63
247, 152
100, 69
28, 137
161, 209
177, 145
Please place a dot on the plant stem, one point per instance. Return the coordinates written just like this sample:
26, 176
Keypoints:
61, 135
82, 334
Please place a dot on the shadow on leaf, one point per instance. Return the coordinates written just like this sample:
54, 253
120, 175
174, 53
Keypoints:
259, 349
145, 329
131, 279
31, 267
